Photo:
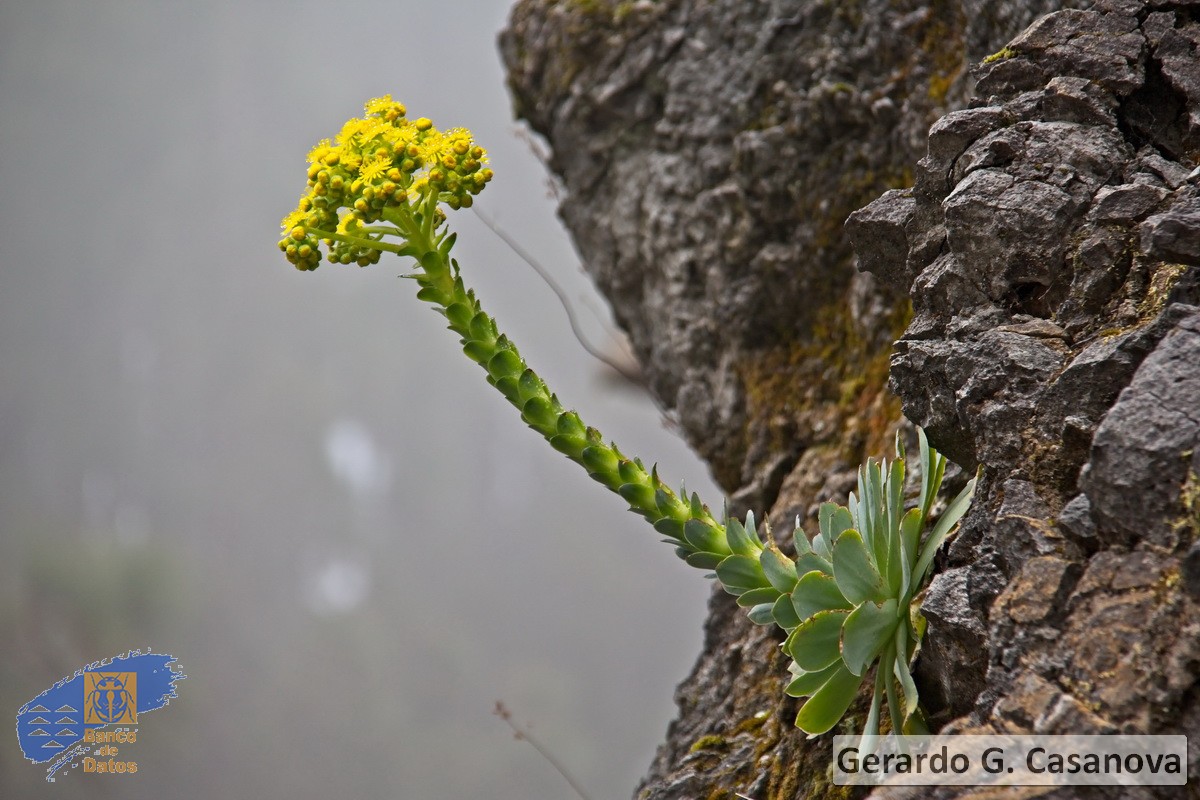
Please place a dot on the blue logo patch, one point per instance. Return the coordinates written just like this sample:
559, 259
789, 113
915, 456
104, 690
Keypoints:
61, 723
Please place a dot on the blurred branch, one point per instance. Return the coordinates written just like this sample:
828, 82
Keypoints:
523, 735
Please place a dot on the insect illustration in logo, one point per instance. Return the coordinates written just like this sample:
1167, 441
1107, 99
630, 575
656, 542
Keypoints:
109, 701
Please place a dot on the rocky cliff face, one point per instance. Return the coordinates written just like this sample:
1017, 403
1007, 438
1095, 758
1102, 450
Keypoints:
710, 154
1050, 247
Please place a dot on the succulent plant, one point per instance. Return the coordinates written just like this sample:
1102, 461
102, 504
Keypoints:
847, 600
850, 598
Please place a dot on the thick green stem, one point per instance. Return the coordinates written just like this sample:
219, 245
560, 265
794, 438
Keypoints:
685, 520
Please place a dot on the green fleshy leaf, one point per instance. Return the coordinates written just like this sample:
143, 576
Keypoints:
753, 597
873, 534
670, 527
703, 536
631, 472
816, 591
668, 505
808, 562
825, 519
429, 294
430, 261
907, 685
887, 663
601, 459
950, 517
508, 387
784, 614
800, 538
871, 726
828, 704
459, 315
820, 548
538, 413
761, 614
704, 560
752, 530
909, 539
779, 569
856, 576
893, 488
835, 520
569, 424
742, 572
868, 628
482, 327
815, 644
933, 468
638, 495
806, 683
569, 446
447, 244
656, 481
739, 540
478, 351
531, 386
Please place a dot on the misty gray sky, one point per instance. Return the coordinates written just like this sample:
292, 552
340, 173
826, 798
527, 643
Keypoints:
295, 483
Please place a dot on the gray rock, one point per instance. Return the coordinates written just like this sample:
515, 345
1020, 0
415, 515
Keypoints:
1135, 472
1076, 521
1174, 235
1129, 201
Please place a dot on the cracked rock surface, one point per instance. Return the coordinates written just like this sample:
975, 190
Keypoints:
1040, 209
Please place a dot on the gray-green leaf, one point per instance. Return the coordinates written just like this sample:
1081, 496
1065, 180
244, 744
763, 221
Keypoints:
865, 632
854, 570
829, 703
816, 643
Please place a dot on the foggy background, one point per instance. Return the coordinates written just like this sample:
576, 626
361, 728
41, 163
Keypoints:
295, 483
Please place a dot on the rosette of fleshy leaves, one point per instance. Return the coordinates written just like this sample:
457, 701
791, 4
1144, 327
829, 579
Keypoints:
383, 168
850, 598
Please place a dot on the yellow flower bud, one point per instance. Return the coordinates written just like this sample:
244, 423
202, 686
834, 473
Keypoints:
297, 233
423, 124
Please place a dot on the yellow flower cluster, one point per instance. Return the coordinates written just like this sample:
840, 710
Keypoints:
384, 167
